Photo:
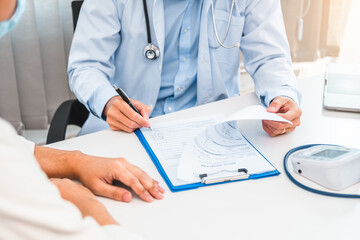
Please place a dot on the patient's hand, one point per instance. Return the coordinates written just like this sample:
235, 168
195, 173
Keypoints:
84, 200
98, 174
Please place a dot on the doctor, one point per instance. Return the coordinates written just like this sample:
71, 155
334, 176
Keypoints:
170, 55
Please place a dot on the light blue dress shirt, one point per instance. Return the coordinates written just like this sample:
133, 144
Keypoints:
178, 77
109, 42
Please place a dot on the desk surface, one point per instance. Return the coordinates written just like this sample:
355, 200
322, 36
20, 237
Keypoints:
269, 208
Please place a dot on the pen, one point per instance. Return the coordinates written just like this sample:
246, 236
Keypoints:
125, 98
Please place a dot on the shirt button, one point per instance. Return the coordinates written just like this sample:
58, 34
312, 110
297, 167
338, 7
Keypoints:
169, 108
179, 89
185, 30
184, 59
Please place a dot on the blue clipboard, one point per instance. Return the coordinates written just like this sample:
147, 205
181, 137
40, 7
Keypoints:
199, 184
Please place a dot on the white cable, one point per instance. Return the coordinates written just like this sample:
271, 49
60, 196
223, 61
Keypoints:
305, 13
300, 28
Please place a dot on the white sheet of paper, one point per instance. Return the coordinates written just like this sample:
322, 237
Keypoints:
229, 150
255, 112
168, 141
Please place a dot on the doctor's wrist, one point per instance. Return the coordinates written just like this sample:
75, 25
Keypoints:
282, 96
107, 107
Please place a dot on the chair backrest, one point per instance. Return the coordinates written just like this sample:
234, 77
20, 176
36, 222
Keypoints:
76, 6
71, 111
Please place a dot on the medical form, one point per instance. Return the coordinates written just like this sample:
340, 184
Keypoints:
210, 145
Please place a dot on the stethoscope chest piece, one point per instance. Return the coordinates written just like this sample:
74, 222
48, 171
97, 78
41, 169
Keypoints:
151, 51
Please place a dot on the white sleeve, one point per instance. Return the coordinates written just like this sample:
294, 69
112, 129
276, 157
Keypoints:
28, 147
31, 206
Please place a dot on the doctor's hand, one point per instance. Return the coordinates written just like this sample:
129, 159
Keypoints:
120, 116
98, 174
284, 107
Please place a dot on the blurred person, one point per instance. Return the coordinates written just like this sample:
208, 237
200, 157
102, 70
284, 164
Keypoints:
34, 207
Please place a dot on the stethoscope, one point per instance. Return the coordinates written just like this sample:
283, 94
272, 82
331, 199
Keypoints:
236, 45
152, 52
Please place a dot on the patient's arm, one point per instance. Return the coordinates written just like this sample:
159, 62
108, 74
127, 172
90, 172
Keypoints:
98, 173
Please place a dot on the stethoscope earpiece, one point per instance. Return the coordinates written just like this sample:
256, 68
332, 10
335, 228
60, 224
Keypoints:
151, 51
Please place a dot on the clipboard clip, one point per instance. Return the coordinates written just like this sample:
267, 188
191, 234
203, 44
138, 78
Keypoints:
205, 178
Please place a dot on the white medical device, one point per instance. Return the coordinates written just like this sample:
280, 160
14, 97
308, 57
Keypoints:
342, 87
333, 167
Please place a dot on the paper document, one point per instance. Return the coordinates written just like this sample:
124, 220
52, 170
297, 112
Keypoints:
211, 145
255, 112
219, 151
168, 141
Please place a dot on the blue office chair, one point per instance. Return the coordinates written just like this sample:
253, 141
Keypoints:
71, 111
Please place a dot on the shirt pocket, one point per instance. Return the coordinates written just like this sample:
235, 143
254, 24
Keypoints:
225, 55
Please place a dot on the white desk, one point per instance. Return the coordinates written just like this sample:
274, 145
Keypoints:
268, 208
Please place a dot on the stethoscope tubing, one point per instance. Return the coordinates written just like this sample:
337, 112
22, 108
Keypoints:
221, 43
154, 50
